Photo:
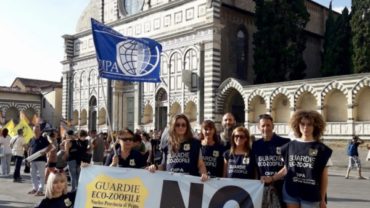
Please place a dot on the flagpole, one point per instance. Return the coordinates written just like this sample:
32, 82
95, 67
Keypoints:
109, 118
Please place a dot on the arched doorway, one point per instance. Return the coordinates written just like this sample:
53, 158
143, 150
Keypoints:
92, 113
161, 109
234, 103
12, 113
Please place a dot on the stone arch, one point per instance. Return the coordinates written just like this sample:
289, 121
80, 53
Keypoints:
191, 111
175, 109
306, 101
361, 101
83, 117
225, 90
164, 64
76, 81
256, 107
161, 106
83, 79
333, 85
30, 112
365, 82
255, 93
93, 77
303, 90
75, 116
335, 106
280, 90
12, 112
191, 63
148, 114
280, 108
241, 49
174, 61
102, 116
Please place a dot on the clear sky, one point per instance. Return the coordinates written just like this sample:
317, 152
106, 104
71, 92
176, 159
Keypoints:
31, 43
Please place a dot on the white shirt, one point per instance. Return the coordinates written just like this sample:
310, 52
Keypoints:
19, 142
5, 143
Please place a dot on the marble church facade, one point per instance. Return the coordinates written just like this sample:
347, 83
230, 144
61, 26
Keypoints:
206, 70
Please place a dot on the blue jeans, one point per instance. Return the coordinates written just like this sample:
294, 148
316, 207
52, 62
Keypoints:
18, 164
38, 175
5, 164
74, 173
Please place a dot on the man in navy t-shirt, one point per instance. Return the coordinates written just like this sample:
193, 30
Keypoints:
266, 152
38, 144
354, 160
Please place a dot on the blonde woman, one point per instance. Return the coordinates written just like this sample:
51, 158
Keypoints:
237, 163
306, 163
182, 154
56, 192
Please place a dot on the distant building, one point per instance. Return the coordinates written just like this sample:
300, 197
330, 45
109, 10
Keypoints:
206, 69
32, 97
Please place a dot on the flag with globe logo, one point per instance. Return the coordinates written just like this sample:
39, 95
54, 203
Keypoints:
125, 58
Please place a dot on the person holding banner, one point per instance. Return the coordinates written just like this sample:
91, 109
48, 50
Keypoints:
266, 156
38, 146
212, 150
125, 156
306, 163
57, 195
182, 154
237, 162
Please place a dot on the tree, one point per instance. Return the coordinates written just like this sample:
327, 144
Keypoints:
360, 24
280, 40
337, 45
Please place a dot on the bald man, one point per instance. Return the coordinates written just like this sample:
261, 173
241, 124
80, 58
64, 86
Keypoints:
228, 125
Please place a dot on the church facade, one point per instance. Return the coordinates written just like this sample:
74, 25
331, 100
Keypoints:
206, 70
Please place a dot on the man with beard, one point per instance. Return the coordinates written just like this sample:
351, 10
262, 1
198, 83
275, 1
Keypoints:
228, 125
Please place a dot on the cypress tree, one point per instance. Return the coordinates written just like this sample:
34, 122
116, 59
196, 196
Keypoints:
337, 45
360, 24
280, 40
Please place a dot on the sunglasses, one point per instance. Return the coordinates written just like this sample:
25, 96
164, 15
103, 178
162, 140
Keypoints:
240, 136
126, 139
180, 125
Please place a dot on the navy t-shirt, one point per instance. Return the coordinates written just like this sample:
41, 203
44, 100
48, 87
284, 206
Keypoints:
266, 156
213, 159
352, 149
73, 151
37, 145
185, 160
134, 160
305, 162
64, 201
239, 166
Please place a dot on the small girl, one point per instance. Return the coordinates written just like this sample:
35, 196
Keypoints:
56, 192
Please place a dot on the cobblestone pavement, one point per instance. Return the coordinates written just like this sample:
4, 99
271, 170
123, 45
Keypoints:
342, 193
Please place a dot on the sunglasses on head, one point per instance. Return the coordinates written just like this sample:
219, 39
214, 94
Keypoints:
180, 124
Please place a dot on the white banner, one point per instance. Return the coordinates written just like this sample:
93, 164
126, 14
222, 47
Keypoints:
112, 187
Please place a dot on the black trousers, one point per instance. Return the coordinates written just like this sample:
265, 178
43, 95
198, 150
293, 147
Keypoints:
18, 164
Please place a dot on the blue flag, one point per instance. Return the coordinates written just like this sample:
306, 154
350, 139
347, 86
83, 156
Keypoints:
125, 58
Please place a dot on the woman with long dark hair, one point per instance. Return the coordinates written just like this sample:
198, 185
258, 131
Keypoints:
237, 160
212, 150
182, 154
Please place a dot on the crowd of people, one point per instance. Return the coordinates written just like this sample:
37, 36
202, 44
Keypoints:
296, 171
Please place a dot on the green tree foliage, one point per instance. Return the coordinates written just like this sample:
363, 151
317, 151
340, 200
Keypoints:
280, 40
360, 24
337, 45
